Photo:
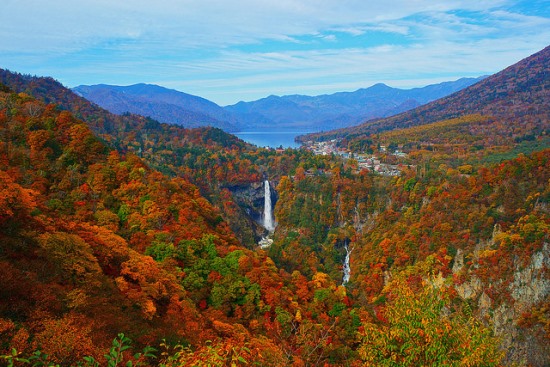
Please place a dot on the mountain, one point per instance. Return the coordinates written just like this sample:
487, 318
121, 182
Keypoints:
95, 244
162, 104
341, 109
518, 94
291, 112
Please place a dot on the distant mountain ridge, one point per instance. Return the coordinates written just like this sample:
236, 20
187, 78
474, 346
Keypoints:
518, 94
292, 112
162, 104
340, 109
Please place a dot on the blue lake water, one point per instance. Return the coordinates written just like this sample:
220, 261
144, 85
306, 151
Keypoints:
272, 139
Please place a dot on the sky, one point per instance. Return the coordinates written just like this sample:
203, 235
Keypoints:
233, 50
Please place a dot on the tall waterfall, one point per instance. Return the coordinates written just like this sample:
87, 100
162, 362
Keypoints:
269, 222
347, 269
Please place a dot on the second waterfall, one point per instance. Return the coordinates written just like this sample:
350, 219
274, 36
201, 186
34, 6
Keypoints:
269, 221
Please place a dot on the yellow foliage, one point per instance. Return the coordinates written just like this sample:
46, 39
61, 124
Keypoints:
321, 280
416, 332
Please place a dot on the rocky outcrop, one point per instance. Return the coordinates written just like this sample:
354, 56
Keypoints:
529, 287
251, 198
532, 284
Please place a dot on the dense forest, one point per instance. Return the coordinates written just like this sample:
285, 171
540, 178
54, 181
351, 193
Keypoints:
127, 241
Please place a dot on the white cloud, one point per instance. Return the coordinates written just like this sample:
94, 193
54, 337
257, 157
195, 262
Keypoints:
330, 37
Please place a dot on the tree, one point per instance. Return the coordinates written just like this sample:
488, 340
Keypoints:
16, 202
70, 256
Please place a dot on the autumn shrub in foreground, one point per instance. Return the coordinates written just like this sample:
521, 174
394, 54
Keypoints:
420, 326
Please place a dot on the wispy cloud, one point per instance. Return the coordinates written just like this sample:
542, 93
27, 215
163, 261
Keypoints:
191, 23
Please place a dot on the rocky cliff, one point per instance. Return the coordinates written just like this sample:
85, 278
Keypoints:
528, 291
250, 199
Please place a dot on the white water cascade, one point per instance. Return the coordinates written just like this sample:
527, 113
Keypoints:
269, 222
347, 269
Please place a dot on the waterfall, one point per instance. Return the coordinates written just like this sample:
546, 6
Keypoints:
269, 222
347, 269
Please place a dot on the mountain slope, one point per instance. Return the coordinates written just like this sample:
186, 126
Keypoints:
519, 93
162, 104
79, 223
339, 109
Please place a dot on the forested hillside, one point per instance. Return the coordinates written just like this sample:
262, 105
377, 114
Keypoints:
119, 224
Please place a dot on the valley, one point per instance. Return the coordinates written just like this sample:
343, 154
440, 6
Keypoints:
415, 238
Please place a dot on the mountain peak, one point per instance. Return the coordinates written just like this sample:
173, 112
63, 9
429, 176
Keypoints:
380, 86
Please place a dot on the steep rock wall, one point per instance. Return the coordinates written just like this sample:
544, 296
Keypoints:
528, 288
250, 199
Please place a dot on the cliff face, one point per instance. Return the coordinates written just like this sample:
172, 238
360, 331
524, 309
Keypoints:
529, 289
250, 199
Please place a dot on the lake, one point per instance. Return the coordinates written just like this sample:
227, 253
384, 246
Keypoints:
272, 139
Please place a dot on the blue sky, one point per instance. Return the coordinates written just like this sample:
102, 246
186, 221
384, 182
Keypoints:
228, 51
